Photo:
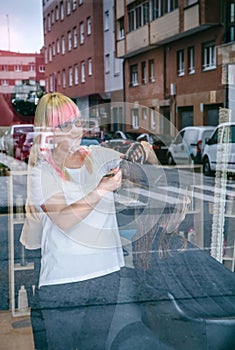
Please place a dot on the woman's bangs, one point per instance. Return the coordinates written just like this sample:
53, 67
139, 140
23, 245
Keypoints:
61, 113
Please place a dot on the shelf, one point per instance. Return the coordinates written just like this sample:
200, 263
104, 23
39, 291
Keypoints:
17, 313
19, 267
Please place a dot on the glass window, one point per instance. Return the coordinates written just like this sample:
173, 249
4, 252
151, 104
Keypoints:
70, 76
106, 20
88, 25
76, 78
58, 45
75, 37
152, 119
151, 71
134, 75
143, 73
135, 118
107, 63
64, 78
61, 10
82, 36
180, 62
74, 4
191, 60
120, 28
69, 41
89, 66
68, 7
83, 72
63, 45
209, 57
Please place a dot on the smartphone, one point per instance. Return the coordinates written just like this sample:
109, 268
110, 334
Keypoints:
109, 175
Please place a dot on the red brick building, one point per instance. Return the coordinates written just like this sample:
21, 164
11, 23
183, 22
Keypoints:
170, 58
74, 50
21, 76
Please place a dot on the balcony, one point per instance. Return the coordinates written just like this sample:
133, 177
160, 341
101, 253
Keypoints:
164, 27
137, 41
191, 17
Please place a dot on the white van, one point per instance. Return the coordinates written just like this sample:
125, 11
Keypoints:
219, 152
188, 145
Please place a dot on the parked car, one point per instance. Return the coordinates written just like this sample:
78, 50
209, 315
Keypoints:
13, 135
188, 145
160, 144
223, 141
89, 142
120, 141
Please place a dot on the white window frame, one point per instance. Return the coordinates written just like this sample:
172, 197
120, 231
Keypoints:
58, 78
76, 74
75, 37
151, 71
106, 20
50, 53
18, 68
70, 76
69, 41
64, 78
31, 67
90, 66
134, 75
83, 72
41, 69
88, 25
209, 56
191, 60
82, 34
57, 13
52, 17
120, 29
74, 6
152, 119
135, 118
46, 55
61, 10
68, 5
58, 46
107, 63
63, 45
5, 82
53, 49
143, 72
49, 22
180, 63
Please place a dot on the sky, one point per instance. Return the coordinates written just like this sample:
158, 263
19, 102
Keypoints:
21, 25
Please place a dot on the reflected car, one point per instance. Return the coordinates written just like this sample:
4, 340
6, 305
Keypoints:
188, 145
120, 141
13, 136
223, 141
160, 144
89, 142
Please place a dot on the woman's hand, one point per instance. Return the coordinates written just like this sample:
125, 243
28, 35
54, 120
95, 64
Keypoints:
110, 182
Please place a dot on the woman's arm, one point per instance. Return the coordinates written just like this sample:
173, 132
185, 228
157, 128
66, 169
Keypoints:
66, 216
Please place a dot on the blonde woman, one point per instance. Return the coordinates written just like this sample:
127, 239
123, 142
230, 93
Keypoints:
81, 252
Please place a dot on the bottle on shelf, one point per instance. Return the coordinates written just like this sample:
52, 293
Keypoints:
22, 300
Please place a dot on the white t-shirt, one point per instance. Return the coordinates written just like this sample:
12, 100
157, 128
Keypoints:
90, 249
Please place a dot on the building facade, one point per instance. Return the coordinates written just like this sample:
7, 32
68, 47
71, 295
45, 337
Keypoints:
170, 53
79, 54
21, 79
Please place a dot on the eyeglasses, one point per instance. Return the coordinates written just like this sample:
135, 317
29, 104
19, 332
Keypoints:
67, 126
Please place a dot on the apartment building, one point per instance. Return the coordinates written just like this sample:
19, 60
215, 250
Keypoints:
171, 68
21, 79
